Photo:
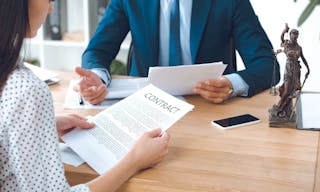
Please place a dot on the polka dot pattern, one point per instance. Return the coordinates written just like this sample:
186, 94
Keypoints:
29, 152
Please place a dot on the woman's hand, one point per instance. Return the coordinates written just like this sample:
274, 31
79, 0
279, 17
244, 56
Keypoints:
67, 123
150, 149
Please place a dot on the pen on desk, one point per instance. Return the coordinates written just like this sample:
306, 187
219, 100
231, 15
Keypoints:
81, 100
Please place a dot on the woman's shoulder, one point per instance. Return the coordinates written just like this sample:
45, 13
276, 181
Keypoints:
22, 83
23, 94
24, 79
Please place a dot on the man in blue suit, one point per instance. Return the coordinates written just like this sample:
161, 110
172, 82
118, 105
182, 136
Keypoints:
210, 31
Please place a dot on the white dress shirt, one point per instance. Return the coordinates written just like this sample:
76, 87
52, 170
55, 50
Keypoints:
240, 87
185, 8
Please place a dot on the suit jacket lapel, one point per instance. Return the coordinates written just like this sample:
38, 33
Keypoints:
151, 14
199, 16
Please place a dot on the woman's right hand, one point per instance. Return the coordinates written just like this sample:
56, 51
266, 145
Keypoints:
150, 149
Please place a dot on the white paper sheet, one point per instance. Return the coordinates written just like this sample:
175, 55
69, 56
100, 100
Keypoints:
121, 88
308, 111
180, 80
68, 156
44, 75
119, 126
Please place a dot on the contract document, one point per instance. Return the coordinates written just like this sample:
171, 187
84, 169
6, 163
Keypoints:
118, 127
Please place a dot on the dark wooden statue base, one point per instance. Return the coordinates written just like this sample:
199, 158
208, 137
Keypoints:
278, 121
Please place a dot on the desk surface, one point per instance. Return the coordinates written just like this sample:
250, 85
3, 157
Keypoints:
204, 158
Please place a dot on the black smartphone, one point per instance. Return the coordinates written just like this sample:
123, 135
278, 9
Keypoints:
236, 121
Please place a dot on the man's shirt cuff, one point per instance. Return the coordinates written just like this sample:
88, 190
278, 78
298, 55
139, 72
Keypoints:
103, 74
239, 86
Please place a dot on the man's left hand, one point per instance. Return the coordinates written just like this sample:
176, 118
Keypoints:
216, 91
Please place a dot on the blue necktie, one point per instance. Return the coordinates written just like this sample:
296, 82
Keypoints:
175, 57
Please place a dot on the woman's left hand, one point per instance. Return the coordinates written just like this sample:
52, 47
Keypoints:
66, 123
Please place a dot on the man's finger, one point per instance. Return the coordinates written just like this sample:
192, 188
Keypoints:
93, 91
90, 92
76, 87
82, 72
100, 96
215, 97
211, 88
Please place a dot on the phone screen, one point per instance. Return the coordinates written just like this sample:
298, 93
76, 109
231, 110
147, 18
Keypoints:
236, 121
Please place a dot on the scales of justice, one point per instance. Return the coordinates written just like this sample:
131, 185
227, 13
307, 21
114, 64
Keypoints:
283, 114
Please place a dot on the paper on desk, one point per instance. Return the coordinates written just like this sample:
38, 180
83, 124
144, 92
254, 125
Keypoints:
121, 88
72, 100
311, 88
180, 80
308, 111
119, 126
42, 74
68, 156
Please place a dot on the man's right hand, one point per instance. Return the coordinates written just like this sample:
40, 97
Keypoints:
90, 86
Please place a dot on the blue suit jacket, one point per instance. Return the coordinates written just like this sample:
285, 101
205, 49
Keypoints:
218, 27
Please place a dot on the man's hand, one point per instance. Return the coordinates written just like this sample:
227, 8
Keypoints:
90, 86
215, 91
67, 123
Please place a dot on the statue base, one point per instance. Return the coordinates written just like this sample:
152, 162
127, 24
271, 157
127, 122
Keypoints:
278, 120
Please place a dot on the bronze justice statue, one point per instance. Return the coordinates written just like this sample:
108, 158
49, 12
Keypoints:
283, 114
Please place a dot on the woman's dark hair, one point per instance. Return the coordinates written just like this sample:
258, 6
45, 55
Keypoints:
14, 23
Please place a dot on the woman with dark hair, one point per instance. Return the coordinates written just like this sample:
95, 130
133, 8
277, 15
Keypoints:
29, 154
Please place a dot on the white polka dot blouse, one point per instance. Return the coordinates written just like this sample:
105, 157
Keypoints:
29, 153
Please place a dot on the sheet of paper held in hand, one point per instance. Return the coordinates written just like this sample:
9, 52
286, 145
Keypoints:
180, 80
119, 126
175, 80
